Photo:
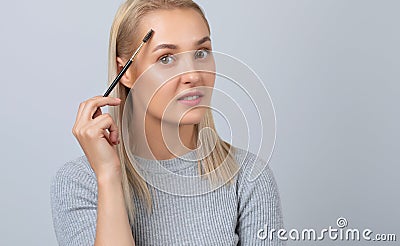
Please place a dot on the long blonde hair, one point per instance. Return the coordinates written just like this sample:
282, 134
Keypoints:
121, 44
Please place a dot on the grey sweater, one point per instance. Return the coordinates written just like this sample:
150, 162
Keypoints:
229, 215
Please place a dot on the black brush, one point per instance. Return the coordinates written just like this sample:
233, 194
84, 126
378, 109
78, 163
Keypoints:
119, 76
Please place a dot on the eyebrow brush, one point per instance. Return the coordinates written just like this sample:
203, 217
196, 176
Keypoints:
119, 76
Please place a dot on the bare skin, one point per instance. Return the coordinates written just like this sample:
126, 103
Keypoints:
97, 133
184, 28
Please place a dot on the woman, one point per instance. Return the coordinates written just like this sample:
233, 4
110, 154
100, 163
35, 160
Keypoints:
102, 199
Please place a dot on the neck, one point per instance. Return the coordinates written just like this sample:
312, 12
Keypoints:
161, 140
167, 140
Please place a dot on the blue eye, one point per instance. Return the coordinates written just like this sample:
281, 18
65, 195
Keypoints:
201, 54
167, 59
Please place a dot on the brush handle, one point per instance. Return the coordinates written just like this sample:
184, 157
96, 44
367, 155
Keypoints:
115, 82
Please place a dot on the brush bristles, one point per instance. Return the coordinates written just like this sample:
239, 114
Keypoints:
148, 36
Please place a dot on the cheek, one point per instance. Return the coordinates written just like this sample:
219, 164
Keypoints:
163, 104
209, 82
209, 79
162, 98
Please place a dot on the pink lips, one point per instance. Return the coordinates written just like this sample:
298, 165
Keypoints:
191, 102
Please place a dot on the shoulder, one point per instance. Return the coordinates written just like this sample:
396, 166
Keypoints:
73, 174
73, 197
77, 168
255, 174
259, 201
251, 165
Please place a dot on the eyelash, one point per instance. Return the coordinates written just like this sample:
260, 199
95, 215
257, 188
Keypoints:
169, 54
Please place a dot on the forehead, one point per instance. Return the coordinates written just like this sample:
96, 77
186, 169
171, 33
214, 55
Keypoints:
176, 26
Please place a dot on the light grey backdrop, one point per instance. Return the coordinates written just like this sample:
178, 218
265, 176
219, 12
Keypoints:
331, 67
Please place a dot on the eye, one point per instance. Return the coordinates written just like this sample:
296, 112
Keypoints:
166, 59
201, 54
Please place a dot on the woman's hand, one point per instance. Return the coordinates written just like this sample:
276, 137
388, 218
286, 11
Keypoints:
97, 134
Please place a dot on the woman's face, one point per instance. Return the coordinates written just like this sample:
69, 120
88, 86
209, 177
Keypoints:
165, 68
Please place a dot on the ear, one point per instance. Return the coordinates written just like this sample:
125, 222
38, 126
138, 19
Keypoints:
127, 78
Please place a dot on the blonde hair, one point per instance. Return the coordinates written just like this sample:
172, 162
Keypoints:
123, 31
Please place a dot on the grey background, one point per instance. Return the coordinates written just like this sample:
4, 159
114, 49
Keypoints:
331, 67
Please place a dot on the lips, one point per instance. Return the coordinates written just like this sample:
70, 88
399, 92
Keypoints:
191, 94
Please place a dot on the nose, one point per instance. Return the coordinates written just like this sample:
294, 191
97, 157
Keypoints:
189, 73
192, 77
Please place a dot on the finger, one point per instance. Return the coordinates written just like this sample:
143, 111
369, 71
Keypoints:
112, 136
97, 113
113, 133
92, 104
106, 122
107, 136
78, 114
80, 109
78, 122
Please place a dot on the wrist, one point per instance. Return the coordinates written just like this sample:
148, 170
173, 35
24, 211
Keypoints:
109, 177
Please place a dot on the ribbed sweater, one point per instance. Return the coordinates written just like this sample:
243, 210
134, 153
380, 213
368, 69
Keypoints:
228, 215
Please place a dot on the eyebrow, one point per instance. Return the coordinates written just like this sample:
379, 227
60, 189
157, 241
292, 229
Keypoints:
174, 47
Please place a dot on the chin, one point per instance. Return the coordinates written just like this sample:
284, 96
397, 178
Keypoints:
194, 116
